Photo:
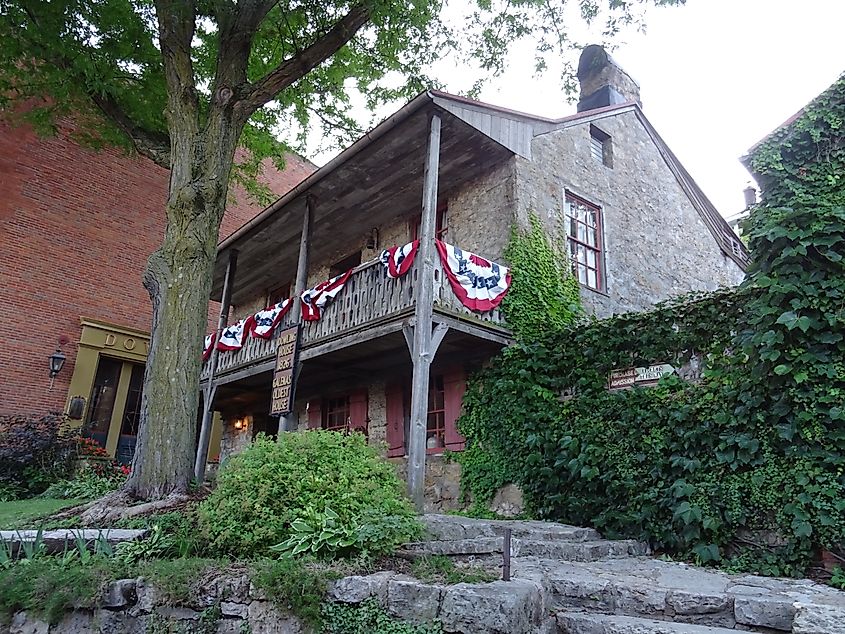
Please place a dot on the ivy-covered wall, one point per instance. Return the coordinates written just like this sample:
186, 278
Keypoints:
743, 461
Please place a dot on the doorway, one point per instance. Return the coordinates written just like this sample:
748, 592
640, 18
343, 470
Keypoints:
115, 409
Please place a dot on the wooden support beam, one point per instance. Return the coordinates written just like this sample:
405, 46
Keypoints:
440, 331
422, 354
211, 388
288, 422
408, 331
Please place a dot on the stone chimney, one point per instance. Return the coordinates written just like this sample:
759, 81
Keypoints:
750, 196
603, 82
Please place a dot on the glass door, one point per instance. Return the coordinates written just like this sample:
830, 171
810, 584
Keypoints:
115, 409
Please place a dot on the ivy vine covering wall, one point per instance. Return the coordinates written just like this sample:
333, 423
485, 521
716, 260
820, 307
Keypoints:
745, 463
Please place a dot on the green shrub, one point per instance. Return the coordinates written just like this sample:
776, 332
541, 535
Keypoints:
35, 451
293, 585
368, 618
262, 491
89, 481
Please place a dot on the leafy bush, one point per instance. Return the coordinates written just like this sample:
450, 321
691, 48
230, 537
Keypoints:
293, 585
174, 535
90, 480
35, 451
368, 618
262, 491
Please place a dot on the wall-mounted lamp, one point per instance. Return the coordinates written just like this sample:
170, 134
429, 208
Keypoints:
240, 423
57, 362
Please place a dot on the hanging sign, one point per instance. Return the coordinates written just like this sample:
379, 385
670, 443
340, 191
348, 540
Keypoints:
284, 372
629, 377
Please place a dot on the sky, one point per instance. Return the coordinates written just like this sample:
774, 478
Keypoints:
715, 77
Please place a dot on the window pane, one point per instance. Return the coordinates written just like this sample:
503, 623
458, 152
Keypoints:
582, 274
591, 217
582, 254
582, 232
591, 259
592, 279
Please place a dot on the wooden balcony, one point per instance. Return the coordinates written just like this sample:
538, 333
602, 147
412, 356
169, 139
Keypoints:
370, 305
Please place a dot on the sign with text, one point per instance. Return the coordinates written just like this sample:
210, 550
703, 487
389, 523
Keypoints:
629, 377
284, 372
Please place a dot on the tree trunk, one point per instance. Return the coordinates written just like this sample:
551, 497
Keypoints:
178, 278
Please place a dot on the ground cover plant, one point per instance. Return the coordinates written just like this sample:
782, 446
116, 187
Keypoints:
740, 461
318, 492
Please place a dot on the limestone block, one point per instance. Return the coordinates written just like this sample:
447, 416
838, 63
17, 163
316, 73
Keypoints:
508, 501
147, 597
775, 611
230, 608
690, 602
644, 599
110, 622
477, 546
229, 626
501, 607
22, 623
265, 618
356, 589
119, 594
412, 600
819, 619
75, 623
583, 592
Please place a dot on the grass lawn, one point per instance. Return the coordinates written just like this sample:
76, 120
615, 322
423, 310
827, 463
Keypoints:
25, 513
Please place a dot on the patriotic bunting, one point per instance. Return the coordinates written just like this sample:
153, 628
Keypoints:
315, 299
479, 284
233, 337
264, 322
207, 345
398, 260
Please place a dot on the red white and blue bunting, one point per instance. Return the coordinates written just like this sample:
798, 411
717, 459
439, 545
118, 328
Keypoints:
233, 337
398, 260
208, 345
315, 299
481, 285
264, 322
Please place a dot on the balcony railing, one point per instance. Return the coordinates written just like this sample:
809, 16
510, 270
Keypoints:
369, 298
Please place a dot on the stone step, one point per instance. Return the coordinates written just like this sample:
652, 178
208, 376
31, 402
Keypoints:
557, 550
456, 527
57, 541
577, 551
581, 623
669, 591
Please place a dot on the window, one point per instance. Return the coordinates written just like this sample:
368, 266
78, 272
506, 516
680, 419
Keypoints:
336, 413
274, 296
440, 228
601, 148
435, 432
583, 230
342, 266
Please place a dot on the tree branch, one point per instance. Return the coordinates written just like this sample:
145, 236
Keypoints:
155, 146
294, 68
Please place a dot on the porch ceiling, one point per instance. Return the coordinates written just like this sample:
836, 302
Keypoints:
378, 184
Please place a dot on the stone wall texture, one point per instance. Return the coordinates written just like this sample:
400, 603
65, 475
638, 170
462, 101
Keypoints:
76, 228
656, 244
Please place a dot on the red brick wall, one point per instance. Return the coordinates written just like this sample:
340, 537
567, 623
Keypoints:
76, 228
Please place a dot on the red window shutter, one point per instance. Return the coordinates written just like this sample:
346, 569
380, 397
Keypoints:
395, 407
358, 411
315, 415
454, 386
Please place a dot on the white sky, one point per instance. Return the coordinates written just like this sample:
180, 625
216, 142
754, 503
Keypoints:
715, 77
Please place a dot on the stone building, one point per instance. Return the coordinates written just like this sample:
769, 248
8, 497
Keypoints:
602, 181
76, 228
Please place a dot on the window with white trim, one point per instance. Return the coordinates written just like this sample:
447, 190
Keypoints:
584, 238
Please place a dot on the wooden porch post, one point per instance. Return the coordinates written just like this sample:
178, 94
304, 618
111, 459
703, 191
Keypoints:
289, 421
422, 353
211, 388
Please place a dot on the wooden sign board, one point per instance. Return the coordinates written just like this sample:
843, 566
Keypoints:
629, 377
284, 372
